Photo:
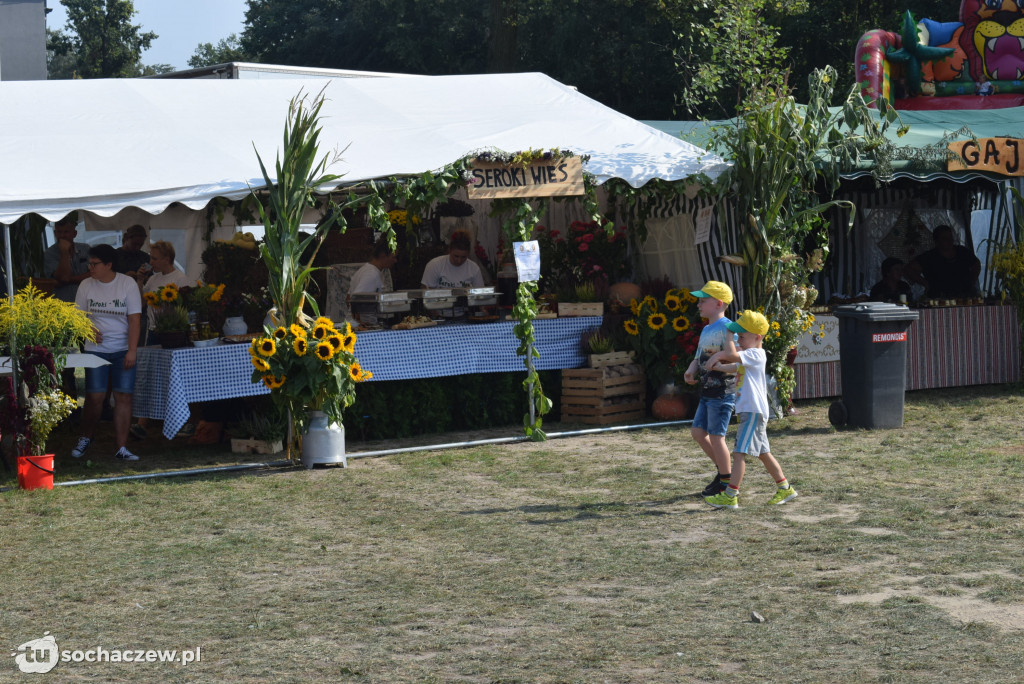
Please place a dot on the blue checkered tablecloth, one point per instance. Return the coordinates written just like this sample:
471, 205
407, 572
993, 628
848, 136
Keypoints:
167, 380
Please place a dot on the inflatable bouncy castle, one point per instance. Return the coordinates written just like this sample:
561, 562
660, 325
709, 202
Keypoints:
974, 63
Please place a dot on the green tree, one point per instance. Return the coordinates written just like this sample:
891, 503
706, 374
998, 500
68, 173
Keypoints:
102, 39
226, 50
59, 65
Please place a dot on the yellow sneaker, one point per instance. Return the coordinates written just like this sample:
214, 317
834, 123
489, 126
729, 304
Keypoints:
723, 500
782, 496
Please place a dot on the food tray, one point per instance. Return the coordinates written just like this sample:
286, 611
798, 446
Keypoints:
244, 338
408, 325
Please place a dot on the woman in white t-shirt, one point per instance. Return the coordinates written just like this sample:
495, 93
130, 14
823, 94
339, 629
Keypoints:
161, 258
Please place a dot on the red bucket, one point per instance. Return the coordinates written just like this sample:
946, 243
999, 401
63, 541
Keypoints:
35, 472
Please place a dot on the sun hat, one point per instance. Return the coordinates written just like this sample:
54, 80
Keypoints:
715, 290
749, 322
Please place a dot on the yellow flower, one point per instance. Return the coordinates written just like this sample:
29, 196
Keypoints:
365, 375
672, 303
325, 322
657, 321
280, 333
300, 346
324, 351
634, 306
349, 343
168, 295
217, 294
321, 331
272, 382
151, 298
260, 364
335, 341
651, 303
172, 286
348, 328
355, 372
297, 330
688, 298
266, 346
631, 327
775, 325
680, 323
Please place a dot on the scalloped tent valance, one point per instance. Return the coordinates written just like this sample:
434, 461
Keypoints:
104, 145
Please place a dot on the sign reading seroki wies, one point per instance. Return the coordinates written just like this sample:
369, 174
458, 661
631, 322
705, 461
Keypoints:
1004, 156
542, 178
889, 337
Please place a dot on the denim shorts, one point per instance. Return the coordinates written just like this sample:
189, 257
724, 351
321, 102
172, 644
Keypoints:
713, 415
122, 380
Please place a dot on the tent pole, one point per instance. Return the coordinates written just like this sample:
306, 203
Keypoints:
9, 277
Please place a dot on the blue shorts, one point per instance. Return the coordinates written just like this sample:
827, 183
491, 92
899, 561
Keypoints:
122, 380
713, 415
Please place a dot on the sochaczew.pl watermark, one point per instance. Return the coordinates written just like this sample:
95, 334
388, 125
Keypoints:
42, 655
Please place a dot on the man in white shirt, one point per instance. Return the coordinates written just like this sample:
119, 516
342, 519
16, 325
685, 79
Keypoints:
369, 277
114, 306
454, 269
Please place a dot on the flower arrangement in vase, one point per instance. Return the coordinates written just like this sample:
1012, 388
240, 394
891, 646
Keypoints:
663, 332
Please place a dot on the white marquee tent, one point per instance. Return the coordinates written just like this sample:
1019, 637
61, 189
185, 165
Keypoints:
138, 146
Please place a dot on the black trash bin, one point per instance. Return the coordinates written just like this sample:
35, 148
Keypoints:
873, 362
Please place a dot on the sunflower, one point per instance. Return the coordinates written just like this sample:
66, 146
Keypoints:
300, 346
168, 295
324, 351
324, 322
297, 330
266, 346
688, 298
273, 382
151, 298
336, 341
364, 375
680, 323
355, 372
634, 307
631, 327
651, 303
349, 343
672, 303
260, 364
321, 331
280, 333
657, 321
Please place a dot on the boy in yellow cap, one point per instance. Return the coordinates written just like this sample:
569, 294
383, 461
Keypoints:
717, 389
751, 408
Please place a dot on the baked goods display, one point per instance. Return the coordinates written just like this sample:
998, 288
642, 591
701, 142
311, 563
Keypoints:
411, 322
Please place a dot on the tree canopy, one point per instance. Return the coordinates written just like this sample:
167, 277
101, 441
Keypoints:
99, 40
226, 50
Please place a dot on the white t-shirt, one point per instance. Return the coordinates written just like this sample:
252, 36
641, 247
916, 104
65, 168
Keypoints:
751, 383
440, 272
158, 280
108, 306
367, 279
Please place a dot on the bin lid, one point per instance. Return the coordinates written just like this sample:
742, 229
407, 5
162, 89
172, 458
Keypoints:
876, 311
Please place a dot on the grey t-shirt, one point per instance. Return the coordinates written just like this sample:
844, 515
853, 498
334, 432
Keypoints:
79, 265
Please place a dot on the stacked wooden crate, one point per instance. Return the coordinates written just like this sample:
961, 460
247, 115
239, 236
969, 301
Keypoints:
604, 395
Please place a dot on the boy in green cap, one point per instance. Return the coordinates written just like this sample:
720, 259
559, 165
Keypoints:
751, 408
717, 389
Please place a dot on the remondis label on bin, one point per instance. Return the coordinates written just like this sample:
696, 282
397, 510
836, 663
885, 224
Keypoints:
889, 337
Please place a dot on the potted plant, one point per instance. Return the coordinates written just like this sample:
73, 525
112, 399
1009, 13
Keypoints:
601, 350
265, 433
205, 301
37, 332
170, 326
315, 369
581, 300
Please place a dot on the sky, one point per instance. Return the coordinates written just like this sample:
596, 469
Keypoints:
180, 24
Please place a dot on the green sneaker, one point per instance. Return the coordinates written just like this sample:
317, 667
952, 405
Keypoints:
723, 500
782, 496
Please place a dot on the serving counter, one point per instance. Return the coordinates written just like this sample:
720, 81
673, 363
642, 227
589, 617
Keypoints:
167, 380
946, 347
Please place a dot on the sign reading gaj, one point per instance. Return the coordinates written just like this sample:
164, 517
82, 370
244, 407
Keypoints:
541, 178
998, 155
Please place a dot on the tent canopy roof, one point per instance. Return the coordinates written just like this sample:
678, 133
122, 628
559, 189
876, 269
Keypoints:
103, 145
927, 128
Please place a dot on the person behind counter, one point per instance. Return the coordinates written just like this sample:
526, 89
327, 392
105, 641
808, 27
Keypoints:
454, 269
67, 260
892, 285
369, 277
130, 259
947, 271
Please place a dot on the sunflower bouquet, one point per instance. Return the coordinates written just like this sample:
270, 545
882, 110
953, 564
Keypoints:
204, 298
168, 294
315, 369
663, 333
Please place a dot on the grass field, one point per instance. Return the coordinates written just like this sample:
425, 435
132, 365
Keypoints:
589, 559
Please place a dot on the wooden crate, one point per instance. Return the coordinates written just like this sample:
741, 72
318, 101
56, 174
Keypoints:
591, 396
610, 359
580, 309
255, 446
